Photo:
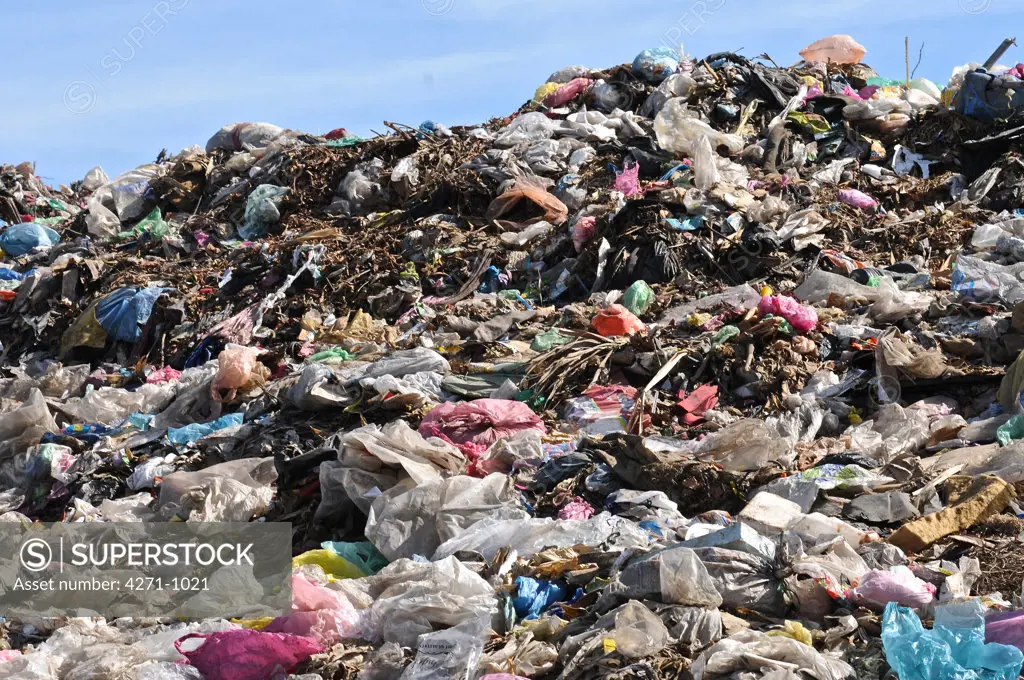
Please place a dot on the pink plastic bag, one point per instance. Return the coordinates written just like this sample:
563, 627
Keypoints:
234, 370
898, 584
472, 424
163, 375
577, 508
801, 318
326, 626
310, 597
858, 199
696, 403
812, 92
318, 612
247, 654
566, 93
628, 181
583, 231
8, 654
839, 49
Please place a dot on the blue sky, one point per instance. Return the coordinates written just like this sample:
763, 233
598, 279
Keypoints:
111, 82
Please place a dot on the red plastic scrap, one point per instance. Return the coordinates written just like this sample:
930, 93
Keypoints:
697, 402
616, 320
475, 425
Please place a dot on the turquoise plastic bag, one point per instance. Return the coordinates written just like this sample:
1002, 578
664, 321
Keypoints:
362, 554
954, 649
1010, 430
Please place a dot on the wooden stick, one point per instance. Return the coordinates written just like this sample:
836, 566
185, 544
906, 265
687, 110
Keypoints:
906, 54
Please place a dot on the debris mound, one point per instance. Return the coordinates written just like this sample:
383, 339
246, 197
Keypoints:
703, 368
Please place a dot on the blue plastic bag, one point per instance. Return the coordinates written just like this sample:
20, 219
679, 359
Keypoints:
954, 649
534, 596
981, 98
656, 64
22, 238
123, 312
182, 436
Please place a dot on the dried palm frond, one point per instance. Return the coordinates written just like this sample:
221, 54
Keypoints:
582, 360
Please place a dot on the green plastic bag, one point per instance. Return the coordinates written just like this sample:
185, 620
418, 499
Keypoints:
884, 82
724, 334
351, 140
153, 224
638, 298
1011, 430
532, 399
335, 355
546, 341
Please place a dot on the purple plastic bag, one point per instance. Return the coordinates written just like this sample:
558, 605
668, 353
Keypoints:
247, 654
858, 199
1006, 628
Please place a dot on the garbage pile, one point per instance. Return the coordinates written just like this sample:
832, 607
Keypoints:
705, 368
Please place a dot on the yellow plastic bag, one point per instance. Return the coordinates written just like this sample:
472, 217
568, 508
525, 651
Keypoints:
333, 564
544, 90
794, 630
254, 624
86, 331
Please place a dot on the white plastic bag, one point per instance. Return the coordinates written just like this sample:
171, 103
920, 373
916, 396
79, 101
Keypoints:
238, 489
94, 179
26, 424
746, 445
528, 127
130, 191
678, 130
447, 654
820, 285
408, 520
101, 222
675, 576
530, 536
755, 651
407, 599
676, 85
637, 631
518, 239
406, 176
240, 136
743, 580
705, 168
